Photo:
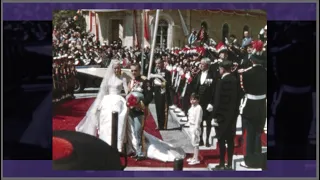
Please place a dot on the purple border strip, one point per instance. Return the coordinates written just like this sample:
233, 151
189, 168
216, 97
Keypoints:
43, 11
44, 169
275, 11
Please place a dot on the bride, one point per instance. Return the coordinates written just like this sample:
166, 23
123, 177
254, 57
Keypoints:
98, 119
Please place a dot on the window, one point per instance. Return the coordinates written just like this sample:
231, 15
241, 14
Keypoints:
225, 31
162, 34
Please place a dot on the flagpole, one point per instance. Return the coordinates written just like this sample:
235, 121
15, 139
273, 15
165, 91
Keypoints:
153, 42
142, 44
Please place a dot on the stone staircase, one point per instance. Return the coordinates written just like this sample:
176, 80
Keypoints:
178, 116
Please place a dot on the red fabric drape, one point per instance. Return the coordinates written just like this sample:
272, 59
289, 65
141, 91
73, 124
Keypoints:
90, 19
136, 44
97, 28
146, 24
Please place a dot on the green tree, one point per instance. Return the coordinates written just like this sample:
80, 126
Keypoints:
61, 15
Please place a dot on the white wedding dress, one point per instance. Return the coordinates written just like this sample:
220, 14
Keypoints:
99, 116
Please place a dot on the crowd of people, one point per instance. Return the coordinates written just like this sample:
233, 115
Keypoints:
220, 77
225, 79
73, 47
64, 78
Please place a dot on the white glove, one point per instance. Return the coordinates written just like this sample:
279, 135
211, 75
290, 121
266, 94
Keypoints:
214, 122
209, 108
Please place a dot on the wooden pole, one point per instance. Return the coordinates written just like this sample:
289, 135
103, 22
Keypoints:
153, 42
142, 44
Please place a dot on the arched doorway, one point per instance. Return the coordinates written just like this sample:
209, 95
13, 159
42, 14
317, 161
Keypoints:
246, 28
225, 31
162, 34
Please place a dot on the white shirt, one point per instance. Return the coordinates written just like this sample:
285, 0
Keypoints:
195, 116
203, 76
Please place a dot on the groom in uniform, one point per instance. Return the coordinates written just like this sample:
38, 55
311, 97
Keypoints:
140, 112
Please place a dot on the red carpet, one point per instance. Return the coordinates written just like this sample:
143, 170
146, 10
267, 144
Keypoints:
67, 115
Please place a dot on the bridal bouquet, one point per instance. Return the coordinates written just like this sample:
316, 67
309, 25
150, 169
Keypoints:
133, 99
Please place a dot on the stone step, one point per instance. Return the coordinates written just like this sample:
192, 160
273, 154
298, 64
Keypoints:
212, 140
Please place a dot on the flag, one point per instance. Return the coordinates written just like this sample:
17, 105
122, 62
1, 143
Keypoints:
146, 24
97, 28
136, 41
90, 19
184, 26
93, 22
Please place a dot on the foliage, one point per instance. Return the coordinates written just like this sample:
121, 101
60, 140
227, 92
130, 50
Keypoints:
61, 15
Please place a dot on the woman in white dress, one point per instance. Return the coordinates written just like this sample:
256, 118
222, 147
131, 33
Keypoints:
98, 120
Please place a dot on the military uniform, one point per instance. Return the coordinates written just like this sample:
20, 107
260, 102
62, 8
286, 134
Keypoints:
253, 108
74, 77
55, 78
138, 115
70, 77
225, 113
63, 77
162, 97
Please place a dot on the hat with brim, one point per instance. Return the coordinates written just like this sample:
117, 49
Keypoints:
78, 151
257, 59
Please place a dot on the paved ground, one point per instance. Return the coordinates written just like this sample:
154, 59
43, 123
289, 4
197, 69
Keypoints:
179, 138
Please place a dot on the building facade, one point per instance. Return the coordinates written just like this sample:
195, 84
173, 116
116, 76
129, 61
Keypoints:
128, 25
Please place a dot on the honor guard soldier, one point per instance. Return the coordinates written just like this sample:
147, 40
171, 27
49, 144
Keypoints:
222, 52
55, 83
253, 110
162, 85
63, 77
70, 74
73, 72
58, 74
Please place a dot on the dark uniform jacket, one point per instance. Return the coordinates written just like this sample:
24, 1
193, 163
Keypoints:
225, 105
255, 83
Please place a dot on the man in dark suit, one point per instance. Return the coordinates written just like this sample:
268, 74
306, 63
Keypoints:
254, 83
162, 94
224, 113
204, 86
